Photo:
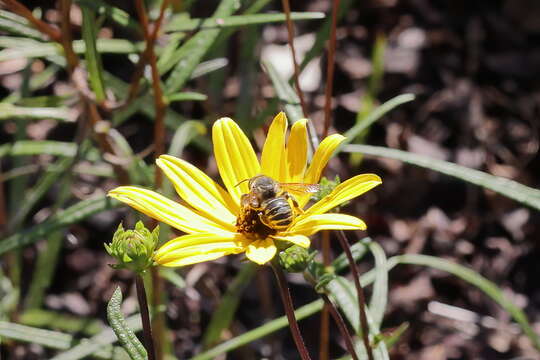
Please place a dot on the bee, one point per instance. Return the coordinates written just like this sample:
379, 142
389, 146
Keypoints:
271, 201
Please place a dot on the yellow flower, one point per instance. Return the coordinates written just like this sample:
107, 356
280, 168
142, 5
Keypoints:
210, 214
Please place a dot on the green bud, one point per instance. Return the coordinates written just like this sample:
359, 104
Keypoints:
326, 187
133, 249
295, 259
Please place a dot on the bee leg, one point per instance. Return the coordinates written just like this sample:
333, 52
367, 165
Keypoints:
295, 203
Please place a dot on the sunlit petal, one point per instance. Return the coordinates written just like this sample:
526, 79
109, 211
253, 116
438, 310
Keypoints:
314, 223
261, 251
193, 245
345, 191
299, 240
273, 160
162, 209
235, 157
320, 158
197, 189
297, 147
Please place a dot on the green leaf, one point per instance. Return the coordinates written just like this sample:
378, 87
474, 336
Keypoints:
224, 314
209, 66
487, 287
284, 92
12, 112
55, 320
71, 215
186, 96
379, 297
358, 251
28, 334
17, 25
506, 187
258, 333
324, 34
127, 337
373, 116
98, 343
17, 47
53, 339
38, 191
180, 23
117, 15
93, 57
191, 53
36, 147
343, 293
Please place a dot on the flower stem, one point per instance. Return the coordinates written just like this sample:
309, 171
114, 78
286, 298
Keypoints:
143, 306
289, 310
341, 325
360, 293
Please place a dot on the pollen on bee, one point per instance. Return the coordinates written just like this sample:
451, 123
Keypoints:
249, 223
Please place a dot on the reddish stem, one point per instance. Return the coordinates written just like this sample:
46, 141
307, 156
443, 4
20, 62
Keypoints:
289, 311
360, 293
290, 32
330, 70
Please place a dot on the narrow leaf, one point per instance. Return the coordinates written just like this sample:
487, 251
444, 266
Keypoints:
182, 24
71, 215
93, 57
506, 187
127, 337
12, 112
379, 297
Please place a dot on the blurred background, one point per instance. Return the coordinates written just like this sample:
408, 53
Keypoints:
473, 67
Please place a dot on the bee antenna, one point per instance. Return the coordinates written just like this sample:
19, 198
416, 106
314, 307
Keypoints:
243, 181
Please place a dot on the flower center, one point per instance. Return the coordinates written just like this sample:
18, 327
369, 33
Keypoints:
249, 223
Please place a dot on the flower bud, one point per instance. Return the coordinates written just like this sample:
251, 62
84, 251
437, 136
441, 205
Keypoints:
326, 187
133, 249
295, 259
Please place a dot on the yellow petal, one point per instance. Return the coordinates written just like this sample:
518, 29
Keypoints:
198, 190
320, 158
195, 259
299, 240
235, 157
314, 223
297, 147
345, 191
261, 251
186, 241
188, 249
273, 161
165, 210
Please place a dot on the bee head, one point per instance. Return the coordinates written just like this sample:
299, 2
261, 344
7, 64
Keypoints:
263, 185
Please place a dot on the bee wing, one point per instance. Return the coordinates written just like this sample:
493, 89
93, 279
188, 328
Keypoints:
300, 188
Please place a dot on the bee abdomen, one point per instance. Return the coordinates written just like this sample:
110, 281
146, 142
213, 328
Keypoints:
277, 213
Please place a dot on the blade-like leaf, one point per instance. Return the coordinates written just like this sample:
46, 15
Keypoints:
258, 333
117, 15
379, 297
224, 314
475, 279
506, 187
191, 53
93, 57
28, 334
127, 337
182, 24
71, 215
373, 116
12, 112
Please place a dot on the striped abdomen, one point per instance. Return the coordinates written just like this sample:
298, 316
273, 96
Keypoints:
276, 213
